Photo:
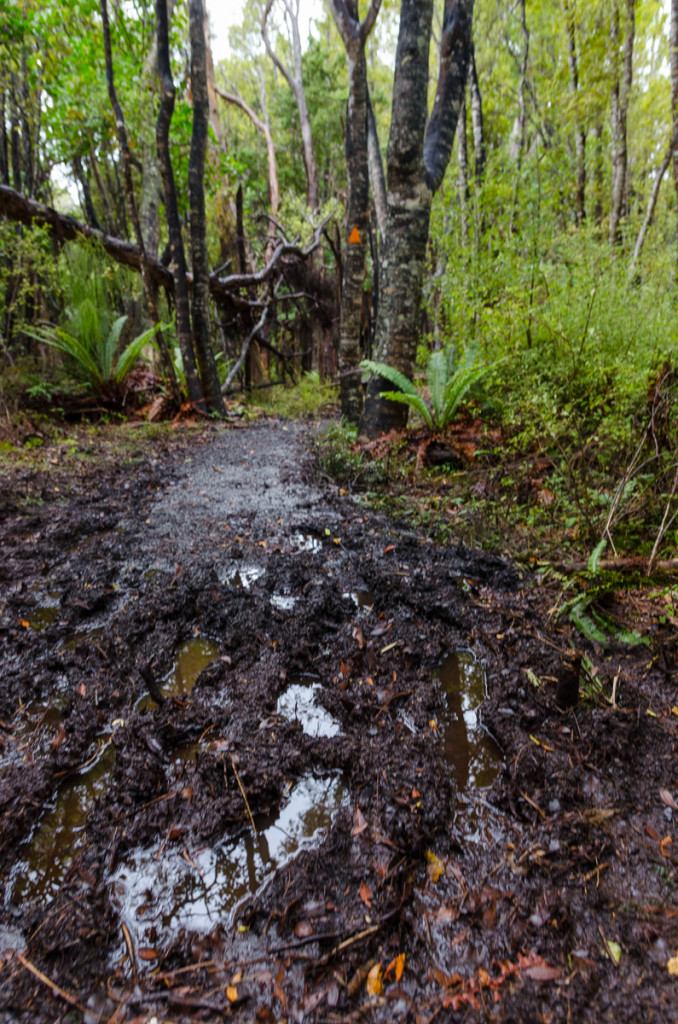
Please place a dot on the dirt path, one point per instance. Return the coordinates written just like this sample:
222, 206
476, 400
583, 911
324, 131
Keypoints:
264, 754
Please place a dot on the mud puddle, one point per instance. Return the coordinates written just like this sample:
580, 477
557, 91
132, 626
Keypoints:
160, 893
472, 753
192, 657
60, 835
299, 703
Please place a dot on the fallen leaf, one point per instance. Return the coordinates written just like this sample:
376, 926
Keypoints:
544, 973
668, 799
345, 669
435, 866
391, 547
82, 690
672, 965
366, 894
232, 994
375, 986
664, 845
359, 636
359, 823
147, 954
58, 737
398, 966
237, 978
25, 623
303, 929
651, 833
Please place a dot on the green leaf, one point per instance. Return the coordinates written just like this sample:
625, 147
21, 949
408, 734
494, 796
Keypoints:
437, 378
414, 401
594, 561
390, 374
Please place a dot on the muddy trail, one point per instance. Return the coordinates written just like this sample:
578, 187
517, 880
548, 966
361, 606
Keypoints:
266, 755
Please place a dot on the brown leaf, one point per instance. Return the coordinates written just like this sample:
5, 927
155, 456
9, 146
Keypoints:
345, 669
279, 989
147, 954
544, 973
303, 929
359, 636
232, 994
82, 690
359, 823
651, 833
375, 986
668, 799
366, 894
59, 737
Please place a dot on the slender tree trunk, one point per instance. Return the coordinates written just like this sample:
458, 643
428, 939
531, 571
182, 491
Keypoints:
4, 150
622, 79
462, 173
151, 182
354, 34
294, 78
418, 155
376, 171
81, 177
183, 309
651, 206
477, 119
598, 175
201, 307
673, 53
103, 191
149, 289
579, 133
519, 139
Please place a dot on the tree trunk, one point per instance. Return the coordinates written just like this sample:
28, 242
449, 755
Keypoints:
651, 206
149, 289
477, 119
202, 341
462, 173
183, 309
673, 48
519, 135
620, 95
354, 34
294, 79
418, 155
579, 133
376, 170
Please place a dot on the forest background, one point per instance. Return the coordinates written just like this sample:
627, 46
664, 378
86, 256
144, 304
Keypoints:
549, 270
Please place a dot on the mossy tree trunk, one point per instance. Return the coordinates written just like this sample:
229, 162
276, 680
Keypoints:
418, 155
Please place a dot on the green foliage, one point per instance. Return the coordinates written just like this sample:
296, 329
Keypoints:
94, 357
310, 397
447, 388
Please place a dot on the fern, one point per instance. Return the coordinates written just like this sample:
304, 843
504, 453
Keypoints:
446, 391
594, 561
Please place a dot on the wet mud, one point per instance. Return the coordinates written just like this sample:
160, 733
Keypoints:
267, 755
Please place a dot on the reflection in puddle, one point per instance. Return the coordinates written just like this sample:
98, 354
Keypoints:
298, 703
361, 598
45, 613
60, 833
244, 576
305, 542
283, 602
471, 752
171, 893
192, 657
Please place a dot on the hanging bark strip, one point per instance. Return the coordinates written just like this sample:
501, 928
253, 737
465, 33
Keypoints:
418, 155
149, 288
183, 309
200, 307
354, 34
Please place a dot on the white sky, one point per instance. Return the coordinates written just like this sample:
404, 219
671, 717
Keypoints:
225, 13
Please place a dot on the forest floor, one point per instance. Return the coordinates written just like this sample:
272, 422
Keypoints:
265, 754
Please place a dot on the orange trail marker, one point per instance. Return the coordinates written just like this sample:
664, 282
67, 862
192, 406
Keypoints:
354, 238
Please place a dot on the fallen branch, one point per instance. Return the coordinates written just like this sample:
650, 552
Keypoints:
51, 985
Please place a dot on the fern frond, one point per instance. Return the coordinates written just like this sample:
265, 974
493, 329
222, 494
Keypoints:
457, 388
414, 401
593, 564
390, 374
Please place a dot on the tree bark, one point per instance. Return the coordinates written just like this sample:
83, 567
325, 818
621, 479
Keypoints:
183, 309
376, 170
462, 173
673, 56
477, 119
200, 309
418, 154
519, 136
294, 79
354, 34
149, 289
579, 133
651, 206
620, 95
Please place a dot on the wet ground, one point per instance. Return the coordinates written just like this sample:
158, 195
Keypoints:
266, 755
